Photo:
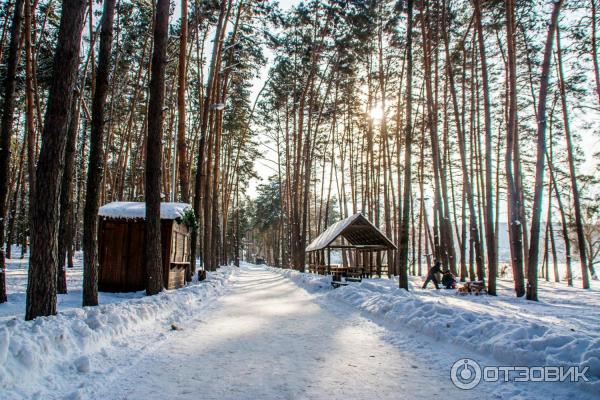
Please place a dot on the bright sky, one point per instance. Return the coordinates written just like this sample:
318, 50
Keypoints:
263, 166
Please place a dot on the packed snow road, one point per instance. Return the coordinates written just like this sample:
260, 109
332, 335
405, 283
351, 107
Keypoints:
266, 338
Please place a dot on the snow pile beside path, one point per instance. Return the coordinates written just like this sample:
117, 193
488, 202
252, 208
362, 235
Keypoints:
508, 339
496, 330
36, 355
310, 282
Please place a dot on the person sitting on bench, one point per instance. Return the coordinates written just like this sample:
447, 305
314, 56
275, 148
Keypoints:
431, 275
448, 280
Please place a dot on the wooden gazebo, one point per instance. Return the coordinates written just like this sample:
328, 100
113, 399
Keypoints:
357, 235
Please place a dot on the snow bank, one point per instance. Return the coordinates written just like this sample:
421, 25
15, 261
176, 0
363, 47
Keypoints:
508, 339
492, 326
36, 357
310, 282
135, 210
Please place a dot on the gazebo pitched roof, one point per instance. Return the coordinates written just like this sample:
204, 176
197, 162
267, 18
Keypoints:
358, 231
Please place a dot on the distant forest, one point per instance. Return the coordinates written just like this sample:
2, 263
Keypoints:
435, 119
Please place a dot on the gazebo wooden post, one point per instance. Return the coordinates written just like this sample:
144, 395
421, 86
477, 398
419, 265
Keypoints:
358, 263
379, 263
363, 263
328, 260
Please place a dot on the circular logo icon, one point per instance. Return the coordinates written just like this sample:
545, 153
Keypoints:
465, 374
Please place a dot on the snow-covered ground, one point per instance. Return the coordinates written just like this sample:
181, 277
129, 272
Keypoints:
16, 281
259, 332
563, 329
56, 357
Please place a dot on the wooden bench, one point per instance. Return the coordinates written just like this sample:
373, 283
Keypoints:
373, 270
337, 271
369, 271
384, 270
354, 274
352, 279
317, 269
337, 284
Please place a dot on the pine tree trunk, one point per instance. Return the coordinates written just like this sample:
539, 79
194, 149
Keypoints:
474, 230
15, 200
81, 179
565, 229
153, 251
201, 168
572, 170
514, 198
595, 49
66, 194
95, 166
181, 81
492, 256
404, 221
422, 217
41, 288
536, 212
551, 237
30, 131
6, 127
439, 243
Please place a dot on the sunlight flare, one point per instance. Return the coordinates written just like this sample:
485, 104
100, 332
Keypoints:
377, 112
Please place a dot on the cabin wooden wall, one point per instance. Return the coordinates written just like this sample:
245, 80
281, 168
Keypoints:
179, 256
121, 254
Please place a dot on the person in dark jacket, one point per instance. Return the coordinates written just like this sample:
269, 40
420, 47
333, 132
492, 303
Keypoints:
436, 269
448, 280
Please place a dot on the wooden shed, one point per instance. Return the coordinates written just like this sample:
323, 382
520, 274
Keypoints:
121, 243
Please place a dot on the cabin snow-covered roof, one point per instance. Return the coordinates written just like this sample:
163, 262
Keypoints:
357, 230
137, 210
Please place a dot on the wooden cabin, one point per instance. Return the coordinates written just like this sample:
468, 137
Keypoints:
121, 243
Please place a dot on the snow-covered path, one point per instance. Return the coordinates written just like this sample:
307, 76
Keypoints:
266, 338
